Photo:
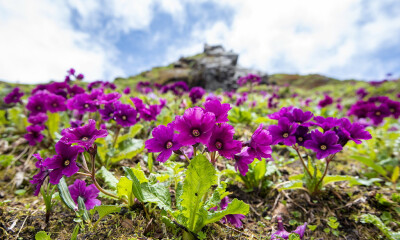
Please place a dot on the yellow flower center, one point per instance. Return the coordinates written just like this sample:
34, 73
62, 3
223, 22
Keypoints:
86, 105
55, 104
66, 162
285, 135
323, 147
123, 117
378, 113
195, 132
218, 144
300, 139
169, 145
85, 139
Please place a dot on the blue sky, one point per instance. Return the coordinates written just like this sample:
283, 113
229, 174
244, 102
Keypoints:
107, 39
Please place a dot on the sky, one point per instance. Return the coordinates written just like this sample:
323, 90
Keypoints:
346, 39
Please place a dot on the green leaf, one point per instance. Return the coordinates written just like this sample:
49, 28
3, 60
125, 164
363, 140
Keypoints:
42, 235
374, 220
200, 176
65, 195
53, 123
132, 133
336, 178
108, 178
136, 187
5, 160
158, 194
134, 147
370, 163
104, 210
395, 174
140, 174
82, 209
291, 185
150, 162
124, 187
74, 235
260, 169
235, 207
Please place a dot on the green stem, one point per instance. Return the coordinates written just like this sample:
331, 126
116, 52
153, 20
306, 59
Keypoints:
302, 160
323, 176
116, 135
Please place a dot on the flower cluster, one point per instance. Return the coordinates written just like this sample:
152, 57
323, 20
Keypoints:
144, 87
14, 96
376, 109
208, 126
294, 129
328, 100
281, 233
251, 78
177, 88
196, 94
71, 73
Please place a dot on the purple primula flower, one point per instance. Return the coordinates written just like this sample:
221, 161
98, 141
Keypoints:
39, 178
150, 113
378, 113
34, 134
107, 113
302, 135
139, 105
284, 112
196, 94
254, 78
352, 131
361, 92
36, 103
242, 81
242, 99
64, 163
281, 233
283, 132
222, 141
260, 143
75, 90
325, 102
82, 103
297, 115
80, 76
394, 108
325, 123
188, 151
125, 115
164, 141
55, 103
108, 98
58, 88
195, 126
212, 96
76, 123
242, 161
323, 144
127, 90
38, 119
71, 71
234, 219
89, 194
84, 136
14, 96
95, 95
220, 110
67, 79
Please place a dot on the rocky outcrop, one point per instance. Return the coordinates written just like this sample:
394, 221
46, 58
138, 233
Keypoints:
213, 69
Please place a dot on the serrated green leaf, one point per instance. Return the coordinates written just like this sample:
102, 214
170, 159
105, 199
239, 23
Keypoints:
42, 235
136, 187
132, 133
124, 187
65, 195
200, 176
135, 147
141, 176
260, 169
235, 207
158, 194
109, 178
104, 210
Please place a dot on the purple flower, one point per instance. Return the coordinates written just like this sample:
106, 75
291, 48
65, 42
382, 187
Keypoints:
394, 108
150, 113
82, 103
164, 141
241, 100
234, 219
282, 233
283, 112
361, 92
37, 104
55, 103
75, 90
352, 131
89, 194
254, 78
107, 98
34, 134
283, 132
107, 113
325, 102
222, 141
220, 110
378, 113
195, 126
297, 115
14, 96
125, 115
58, 88
196, 94
302, 135
127, 90
71, 71
139, 105
242, 161
38, 119
260, 143
39, 178
323, 144
80, 76
84, 136
325, 123
242, 81
64, 163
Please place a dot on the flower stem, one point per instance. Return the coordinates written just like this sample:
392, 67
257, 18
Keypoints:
194, 151
116, 135
325, 172
302, 161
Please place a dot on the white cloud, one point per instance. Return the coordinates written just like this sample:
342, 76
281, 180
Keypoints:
308, 36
